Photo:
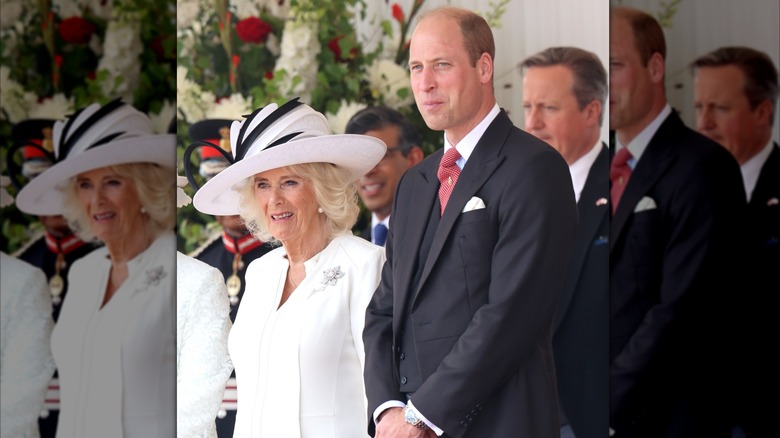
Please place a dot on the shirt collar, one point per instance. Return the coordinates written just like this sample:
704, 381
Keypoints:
638, 145
752, 168
579, 169
466, 146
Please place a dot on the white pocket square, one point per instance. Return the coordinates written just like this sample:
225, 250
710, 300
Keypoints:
646, 203
473, 204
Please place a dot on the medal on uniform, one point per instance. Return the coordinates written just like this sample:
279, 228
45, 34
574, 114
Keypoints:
234, 282
57, 283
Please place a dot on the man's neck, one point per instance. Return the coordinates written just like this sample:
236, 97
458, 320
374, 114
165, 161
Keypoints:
628, 133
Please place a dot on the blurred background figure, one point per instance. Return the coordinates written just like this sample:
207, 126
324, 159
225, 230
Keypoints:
564, 92
231, 249
115, 341
677, 205
377, 188
202, 327
735, 97
26, 364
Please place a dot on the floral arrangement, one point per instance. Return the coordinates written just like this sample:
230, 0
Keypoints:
237, 55
59, 56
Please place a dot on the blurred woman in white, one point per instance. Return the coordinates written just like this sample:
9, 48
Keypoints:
115, 340
202, 327
297, 340
26, 365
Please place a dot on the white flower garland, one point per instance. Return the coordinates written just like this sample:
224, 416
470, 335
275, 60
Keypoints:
121, 48
300, 48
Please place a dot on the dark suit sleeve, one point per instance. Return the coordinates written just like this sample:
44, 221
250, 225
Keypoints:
380, 374
532, 227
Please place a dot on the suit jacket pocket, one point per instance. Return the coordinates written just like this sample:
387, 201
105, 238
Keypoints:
473, 216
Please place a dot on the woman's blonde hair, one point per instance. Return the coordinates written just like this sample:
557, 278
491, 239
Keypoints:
334, 191
156, 189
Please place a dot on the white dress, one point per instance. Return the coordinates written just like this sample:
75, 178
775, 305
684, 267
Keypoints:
26, 365
203, 365
117, 365
299, 368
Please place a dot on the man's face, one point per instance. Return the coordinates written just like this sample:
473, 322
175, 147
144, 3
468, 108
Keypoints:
447, 88
723, 111
377, 187
552, 113
233, 225
57, 226
630, 82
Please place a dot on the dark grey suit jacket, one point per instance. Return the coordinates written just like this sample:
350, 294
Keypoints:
673, 243
581, 321
481, 313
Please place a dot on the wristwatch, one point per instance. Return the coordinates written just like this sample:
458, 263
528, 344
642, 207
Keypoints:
411, 417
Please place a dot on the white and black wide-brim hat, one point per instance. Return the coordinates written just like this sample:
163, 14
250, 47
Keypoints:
92, 138
273, 137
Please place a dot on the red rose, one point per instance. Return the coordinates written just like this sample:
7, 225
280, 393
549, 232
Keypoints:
334, 47
76, 30
253, 30
398, 13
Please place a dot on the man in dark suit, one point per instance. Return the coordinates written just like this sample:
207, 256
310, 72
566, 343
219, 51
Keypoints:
458, 335
673, 237
564, 91
230, 249
735, 95
377, 188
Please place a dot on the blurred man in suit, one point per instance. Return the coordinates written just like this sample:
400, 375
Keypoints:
377, 188
677, 203
458, 335
564, 92
735, 96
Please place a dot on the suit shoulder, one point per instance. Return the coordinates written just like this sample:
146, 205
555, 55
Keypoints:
206, 246
35, 243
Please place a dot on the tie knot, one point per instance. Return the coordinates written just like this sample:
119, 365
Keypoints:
621, 157
450, 157
380, 234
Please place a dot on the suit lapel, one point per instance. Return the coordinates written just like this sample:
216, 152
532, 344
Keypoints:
425, 185
591, 214
658, 155
480, 166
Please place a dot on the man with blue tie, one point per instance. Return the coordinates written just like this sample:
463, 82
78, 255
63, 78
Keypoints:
377, 187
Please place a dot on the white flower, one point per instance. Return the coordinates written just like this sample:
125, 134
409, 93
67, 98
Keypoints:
387, 79
12, 11
55, 107
232, 107
161, 120
272, 43
338, 122
5, 198
122, 48
186, 12
246, 8
300, 48
191, 100
182, 198
15, 102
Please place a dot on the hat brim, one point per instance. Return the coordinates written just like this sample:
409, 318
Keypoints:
41, 195
358, 154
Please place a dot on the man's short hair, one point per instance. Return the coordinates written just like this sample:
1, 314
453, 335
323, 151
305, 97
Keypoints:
590, 77
476, 32
648, 35
374, 118
758, 68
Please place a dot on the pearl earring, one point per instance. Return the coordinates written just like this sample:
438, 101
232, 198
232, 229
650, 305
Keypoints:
320, 210
143, 210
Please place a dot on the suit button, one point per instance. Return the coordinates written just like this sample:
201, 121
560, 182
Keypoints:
403, 380
403, 356
464, 424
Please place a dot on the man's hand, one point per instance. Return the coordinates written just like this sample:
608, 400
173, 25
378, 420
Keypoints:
392, 425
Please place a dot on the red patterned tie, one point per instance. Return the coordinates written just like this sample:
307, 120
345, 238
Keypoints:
619, 173
448, 175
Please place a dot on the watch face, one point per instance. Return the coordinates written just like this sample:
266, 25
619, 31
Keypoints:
410, 417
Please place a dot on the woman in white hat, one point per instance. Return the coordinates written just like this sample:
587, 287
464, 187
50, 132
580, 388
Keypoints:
115, 341
296, 342
202, 327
